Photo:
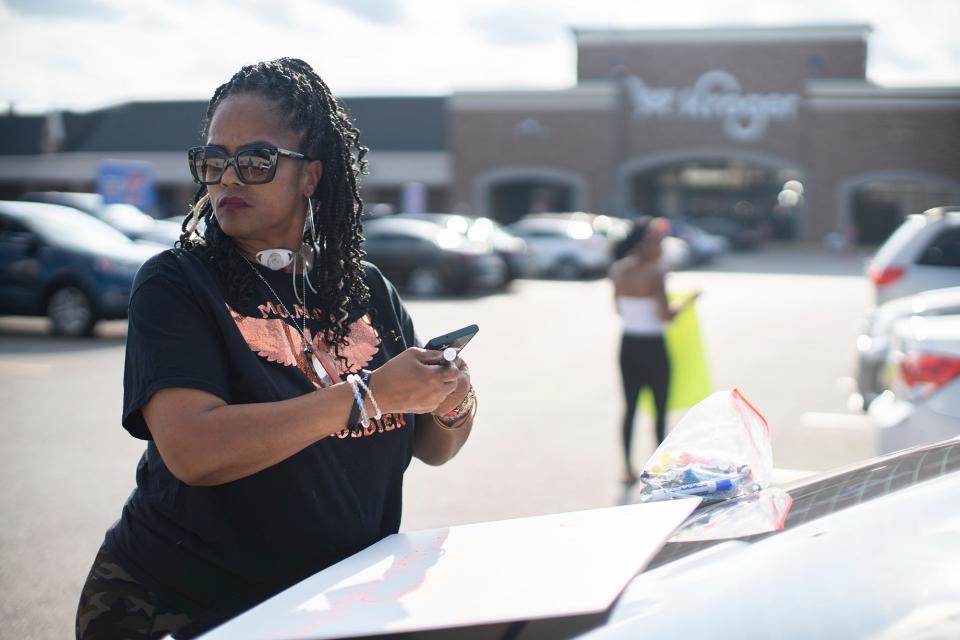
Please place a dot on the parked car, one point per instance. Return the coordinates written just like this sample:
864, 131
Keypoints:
564, 247
867, 551
739, 237
704, 247
676, 251
427, 259
511, 249
69, 266
922, 400
126, 218
874, 340
922, 254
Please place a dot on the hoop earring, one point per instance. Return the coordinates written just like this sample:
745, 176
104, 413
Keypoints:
308, 248
309, 228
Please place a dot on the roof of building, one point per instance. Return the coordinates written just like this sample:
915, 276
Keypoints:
21, 135
720, 35
385, 123
136, 126
400, 123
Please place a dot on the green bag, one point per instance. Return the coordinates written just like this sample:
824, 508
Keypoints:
689, 374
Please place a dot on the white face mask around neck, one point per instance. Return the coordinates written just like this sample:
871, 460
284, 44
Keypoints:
275, 259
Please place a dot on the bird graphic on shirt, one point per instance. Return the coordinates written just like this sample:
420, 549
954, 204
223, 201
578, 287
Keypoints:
278, 341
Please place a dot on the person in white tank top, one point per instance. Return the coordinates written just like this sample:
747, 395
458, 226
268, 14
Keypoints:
640, 316
640, 296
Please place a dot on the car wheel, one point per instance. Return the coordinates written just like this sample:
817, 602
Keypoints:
71, 312
425, 281
568, 269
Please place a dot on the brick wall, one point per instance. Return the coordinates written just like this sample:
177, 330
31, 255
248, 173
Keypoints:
766, 67
577, 141
842, 144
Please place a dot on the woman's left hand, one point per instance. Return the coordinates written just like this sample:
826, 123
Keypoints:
457, 395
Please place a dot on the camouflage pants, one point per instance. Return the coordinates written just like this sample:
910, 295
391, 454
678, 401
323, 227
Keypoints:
113, 605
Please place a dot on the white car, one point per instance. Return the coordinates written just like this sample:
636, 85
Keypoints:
564, 248
922, 401
703, 247
126, 218
873, 343
922, 254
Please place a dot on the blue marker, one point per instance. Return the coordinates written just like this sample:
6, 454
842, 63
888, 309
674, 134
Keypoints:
706, 487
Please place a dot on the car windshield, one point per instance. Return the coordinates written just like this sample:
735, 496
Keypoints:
66, 228
896, 242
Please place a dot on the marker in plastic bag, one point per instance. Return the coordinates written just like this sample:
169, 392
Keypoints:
701, 474
696, 488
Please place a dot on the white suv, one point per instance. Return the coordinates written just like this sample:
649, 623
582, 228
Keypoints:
922, 254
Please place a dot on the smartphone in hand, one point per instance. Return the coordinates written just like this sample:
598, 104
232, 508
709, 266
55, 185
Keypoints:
457, 339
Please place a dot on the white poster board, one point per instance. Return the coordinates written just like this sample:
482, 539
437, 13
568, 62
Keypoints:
528, 568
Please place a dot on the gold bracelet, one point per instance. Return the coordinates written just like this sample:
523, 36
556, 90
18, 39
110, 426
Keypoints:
466, 408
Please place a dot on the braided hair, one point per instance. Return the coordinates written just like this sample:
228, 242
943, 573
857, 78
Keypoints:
328, 135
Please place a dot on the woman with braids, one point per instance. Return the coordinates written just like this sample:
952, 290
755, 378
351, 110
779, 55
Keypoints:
274, 375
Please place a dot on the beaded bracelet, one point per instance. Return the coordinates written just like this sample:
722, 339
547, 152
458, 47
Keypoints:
364, 380
358, 412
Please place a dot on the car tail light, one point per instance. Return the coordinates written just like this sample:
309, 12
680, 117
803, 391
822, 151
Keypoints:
882, 276
924, 373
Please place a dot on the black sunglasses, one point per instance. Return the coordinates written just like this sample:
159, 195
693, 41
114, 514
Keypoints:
254, 164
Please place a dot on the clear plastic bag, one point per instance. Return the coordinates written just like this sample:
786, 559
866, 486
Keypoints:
746, 515
720, 452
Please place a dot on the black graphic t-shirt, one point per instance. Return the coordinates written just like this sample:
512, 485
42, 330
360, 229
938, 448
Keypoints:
214, 551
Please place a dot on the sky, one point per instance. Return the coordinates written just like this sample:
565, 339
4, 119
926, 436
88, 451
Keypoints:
86, 54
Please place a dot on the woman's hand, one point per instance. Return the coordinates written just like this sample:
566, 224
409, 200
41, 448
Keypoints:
417, 381
457, 395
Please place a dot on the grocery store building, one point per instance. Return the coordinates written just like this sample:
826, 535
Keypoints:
773, 127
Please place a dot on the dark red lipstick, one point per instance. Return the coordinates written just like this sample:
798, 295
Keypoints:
231, 202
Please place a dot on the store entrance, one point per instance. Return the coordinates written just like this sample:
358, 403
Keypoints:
734, 198
512, 199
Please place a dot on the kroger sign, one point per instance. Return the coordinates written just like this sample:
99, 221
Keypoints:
716, 95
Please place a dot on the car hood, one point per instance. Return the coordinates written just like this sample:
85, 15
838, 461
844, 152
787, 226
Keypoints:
883, 568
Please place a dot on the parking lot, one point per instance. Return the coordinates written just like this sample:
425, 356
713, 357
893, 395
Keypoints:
778, 324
